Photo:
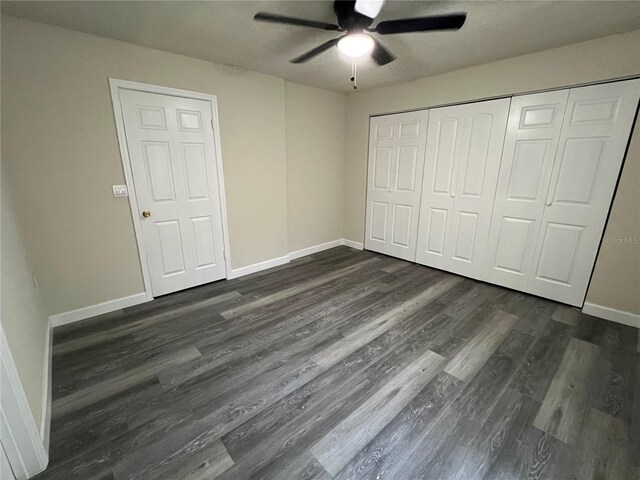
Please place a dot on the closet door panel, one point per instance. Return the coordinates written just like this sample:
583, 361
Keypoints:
444, 141
533, 132
594, 138
396, 161
474, 192
379, 184
464, 146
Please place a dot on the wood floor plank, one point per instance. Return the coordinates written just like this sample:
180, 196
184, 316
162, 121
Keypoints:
302, 467
612, 378
91, 340
540, 365
352, 342
602, 451
504, 428
205, 463
395, 266
390, 447
82, 398
461, 306
567, 315
475, 353
533, 455
568, 400
129, 355
231, 377
457, 427
288, 333
535, 321
289, 292
74, 434
480, 394
311, 412
338, 447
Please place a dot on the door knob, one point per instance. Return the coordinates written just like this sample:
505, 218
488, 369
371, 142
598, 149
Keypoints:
146, 213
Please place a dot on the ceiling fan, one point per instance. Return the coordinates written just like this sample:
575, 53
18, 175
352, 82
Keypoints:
355, 18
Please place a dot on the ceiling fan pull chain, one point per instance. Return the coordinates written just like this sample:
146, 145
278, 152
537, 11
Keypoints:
355, 74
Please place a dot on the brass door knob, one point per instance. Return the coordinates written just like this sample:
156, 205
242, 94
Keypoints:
146, 213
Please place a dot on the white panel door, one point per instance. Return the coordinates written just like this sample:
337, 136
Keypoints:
172, 154
530, 147
462, 160
394, 180
595, 134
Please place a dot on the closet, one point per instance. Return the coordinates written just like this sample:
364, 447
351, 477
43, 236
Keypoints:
515, 192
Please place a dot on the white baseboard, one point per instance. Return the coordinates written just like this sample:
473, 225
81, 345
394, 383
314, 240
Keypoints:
257, 267
45, 418
620, 316
120, 303
352, 244
94, 310
276, 262
315, 249
21, 440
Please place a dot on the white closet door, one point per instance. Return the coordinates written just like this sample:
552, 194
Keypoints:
396, 160
530, 146
442, 153
594, 138
475, 184
464, 147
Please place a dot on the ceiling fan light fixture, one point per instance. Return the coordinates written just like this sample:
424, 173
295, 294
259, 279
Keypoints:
356, 45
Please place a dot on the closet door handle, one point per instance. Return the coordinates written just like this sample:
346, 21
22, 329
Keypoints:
452, 182
455, 169
555, 176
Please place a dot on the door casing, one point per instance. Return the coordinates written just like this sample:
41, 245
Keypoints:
115, 86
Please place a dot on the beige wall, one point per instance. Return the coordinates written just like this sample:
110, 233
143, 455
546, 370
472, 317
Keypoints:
616, 278
615, 283
24, 319
60, 149
316, 134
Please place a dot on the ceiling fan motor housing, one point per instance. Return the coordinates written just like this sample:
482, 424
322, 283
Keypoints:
348, 18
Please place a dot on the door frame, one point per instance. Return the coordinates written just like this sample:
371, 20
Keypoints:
115, 85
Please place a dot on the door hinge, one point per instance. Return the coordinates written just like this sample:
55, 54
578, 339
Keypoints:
211, 124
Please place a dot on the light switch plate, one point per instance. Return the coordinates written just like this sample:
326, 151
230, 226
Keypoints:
120, 191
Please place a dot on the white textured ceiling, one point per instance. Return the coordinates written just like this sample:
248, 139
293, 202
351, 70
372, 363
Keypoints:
224, 32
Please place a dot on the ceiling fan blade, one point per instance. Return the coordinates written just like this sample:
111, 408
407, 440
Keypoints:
381, 55
422, 24
315, 51
301, 22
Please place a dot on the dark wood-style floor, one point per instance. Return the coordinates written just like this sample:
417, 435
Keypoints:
346, 365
